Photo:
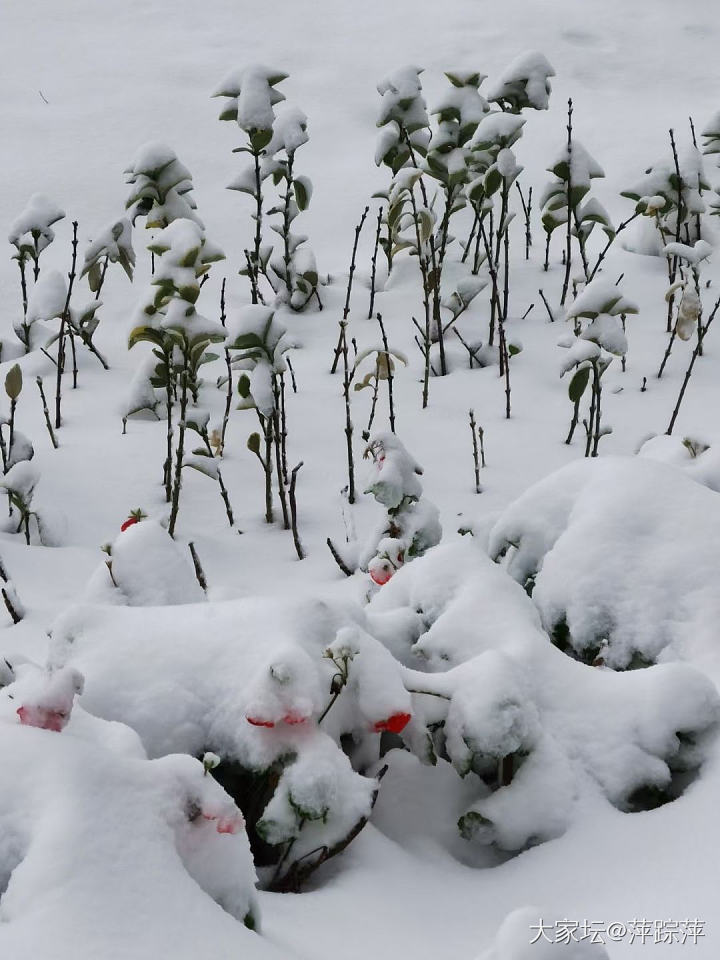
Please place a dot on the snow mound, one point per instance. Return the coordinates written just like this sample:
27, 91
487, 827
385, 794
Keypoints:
616, 573
93, 833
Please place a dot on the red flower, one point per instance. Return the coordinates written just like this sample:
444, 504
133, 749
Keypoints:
232, 824
394, 723
54, 720
381, 574
294, 718
134, 517
259, 722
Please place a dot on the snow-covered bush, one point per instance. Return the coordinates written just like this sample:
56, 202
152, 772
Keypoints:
259, 342
524, 84
161, 188
566, 198
250, 96
31, 233
79, 794
113, 244
296, 267
591, 351
616, 574
411, 524
272, 710
145, 567
534, 731
179, 334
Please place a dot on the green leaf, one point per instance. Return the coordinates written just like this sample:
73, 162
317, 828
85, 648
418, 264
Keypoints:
244, 386
576, 387
14, 382
253, 443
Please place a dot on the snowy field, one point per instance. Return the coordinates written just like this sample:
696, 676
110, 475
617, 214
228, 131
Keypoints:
497, 725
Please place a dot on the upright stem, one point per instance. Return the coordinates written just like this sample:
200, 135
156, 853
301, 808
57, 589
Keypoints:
228, 367
374, 263
102, 277
293, 512
46, 412
388, 361
181, 444
568, 238
347, 380
673, 261
473, 430
278, 452
258, 225
351, 274
167, 466
63, 324
287, 257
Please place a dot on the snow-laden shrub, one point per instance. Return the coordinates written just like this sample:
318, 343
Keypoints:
32, 233
161, 189
180, 335
254, 685
616, 573
411, 524
534, 730
599, 314
78, 794
146, 568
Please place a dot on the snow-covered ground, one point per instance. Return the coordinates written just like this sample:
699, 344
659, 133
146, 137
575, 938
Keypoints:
105, 853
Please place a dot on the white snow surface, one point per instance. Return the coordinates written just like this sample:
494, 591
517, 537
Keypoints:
97, 856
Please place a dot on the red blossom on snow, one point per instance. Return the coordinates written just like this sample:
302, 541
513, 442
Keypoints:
231, 824
135, 516
260, 722
43, 718
294, 718
395, 723
381, 573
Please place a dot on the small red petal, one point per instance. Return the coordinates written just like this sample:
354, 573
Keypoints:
259, 722
42, 719
394, 724
128, 523
381, 576
295, 718
230, 825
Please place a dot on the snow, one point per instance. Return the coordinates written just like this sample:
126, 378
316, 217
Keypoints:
91, 831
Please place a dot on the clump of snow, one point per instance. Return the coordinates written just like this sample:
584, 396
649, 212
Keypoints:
609, 563
147, 568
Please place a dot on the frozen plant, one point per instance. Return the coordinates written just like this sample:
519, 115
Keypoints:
296, 268
671, 194
259, 342
19, 482
14, 445
384, 368
565, 203
591, 350
30, 234
690, 259
112, 245
250, 97
179, 334
161, 188
524, 84
145, 567
411, 524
